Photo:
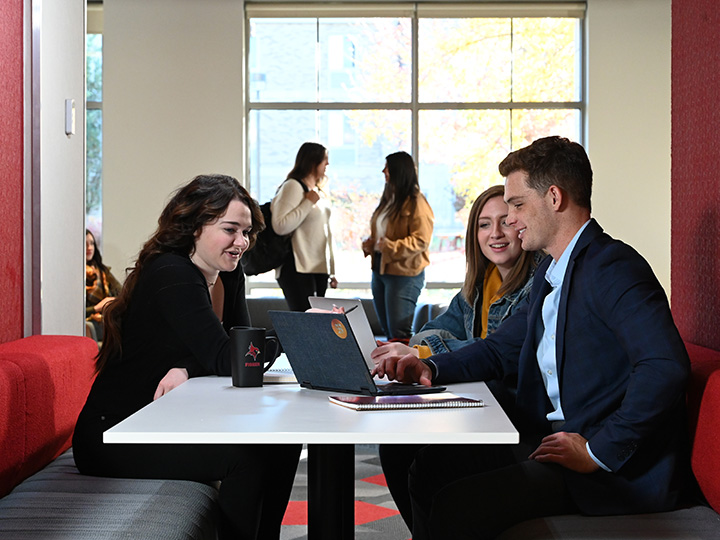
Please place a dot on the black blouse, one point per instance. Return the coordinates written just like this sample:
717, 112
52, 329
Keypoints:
169, 323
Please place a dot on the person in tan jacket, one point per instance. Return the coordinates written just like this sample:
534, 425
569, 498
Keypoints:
401, 230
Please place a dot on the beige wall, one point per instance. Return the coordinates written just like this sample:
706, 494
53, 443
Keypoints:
173, 108
628, 136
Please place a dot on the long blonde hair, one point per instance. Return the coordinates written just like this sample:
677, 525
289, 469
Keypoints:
477, 262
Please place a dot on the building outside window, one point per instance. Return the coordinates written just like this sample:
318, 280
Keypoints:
456, 86
94, 119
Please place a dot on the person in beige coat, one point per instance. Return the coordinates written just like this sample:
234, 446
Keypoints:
302, 208
401, 230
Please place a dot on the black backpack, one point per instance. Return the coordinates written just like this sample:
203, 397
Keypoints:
270, 249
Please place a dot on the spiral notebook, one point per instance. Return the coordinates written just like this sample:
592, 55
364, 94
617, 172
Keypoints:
280, 372
424, 401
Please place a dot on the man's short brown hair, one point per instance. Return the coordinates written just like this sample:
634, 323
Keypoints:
553, 161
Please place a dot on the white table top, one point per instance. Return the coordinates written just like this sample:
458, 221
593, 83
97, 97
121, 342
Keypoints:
211, 410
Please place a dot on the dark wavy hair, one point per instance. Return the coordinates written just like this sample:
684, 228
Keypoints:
402, 184
309, 156
200, 202
477, 262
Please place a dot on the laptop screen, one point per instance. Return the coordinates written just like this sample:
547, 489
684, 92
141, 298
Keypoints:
323, 351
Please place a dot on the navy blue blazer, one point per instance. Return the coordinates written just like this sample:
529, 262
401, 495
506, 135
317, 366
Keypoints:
622, 369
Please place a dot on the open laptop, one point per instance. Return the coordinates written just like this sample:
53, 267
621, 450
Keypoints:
355, 313
324, 354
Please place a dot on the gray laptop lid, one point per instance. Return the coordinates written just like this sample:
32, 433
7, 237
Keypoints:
324, 354
358, 321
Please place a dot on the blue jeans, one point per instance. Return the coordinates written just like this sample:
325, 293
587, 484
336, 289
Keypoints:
395, 298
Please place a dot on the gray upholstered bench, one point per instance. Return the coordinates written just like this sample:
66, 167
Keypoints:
700, 521
60, 503
44, 381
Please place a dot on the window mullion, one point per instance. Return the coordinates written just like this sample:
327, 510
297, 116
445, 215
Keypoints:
415, 124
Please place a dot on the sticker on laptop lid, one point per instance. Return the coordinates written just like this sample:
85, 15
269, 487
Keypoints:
339, 328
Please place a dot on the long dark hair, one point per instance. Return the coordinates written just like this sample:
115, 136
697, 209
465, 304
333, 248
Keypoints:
96, 260
203, 200
402, 184
477, 262
308, 158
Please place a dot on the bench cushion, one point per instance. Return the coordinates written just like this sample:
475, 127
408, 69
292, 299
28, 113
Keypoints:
706, 446
44, 381
60, 503
698, 523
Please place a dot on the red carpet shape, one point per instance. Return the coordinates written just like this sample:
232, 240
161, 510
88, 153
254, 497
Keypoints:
296, 513
378, 479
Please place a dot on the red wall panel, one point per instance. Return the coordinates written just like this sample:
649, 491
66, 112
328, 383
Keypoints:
695, 250
11, 170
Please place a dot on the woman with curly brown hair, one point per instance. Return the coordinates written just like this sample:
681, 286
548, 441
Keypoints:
161, 330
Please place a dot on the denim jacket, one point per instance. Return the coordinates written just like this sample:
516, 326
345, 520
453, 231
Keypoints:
454, 328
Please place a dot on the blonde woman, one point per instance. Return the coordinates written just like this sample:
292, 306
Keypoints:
499, 275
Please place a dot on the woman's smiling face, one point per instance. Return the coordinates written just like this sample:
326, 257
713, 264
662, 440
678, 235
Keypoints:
221, 243
497, 240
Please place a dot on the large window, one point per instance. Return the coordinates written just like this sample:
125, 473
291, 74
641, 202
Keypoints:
457, 86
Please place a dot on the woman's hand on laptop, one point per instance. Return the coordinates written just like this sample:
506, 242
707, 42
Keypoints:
405, 369
392, 350
335, 309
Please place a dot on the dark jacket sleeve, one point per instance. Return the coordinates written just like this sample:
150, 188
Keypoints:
495, 357
633, 344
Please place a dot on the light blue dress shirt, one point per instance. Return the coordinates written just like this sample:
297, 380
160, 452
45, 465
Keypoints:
546, 352
547, 348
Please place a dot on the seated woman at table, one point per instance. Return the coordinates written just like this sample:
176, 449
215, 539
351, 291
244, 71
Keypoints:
161, 330
498, 277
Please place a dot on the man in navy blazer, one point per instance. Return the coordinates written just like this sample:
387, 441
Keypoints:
600, 366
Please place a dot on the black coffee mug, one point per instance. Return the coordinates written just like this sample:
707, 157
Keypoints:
251, 355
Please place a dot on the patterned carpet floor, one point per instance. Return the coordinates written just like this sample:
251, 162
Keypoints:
376, 515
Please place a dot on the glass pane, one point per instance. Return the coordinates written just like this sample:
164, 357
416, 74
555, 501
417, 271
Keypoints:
357, 143
282, 60
330, 60
459, 155
365, 60
94, 67
93, 188
529, 125
464, 60
546, 60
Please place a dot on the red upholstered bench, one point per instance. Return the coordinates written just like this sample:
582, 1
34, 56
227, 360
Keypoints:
699, 521
44, 382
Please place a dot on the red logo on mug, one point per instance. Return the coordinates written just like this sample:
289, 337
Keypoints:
252, 351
